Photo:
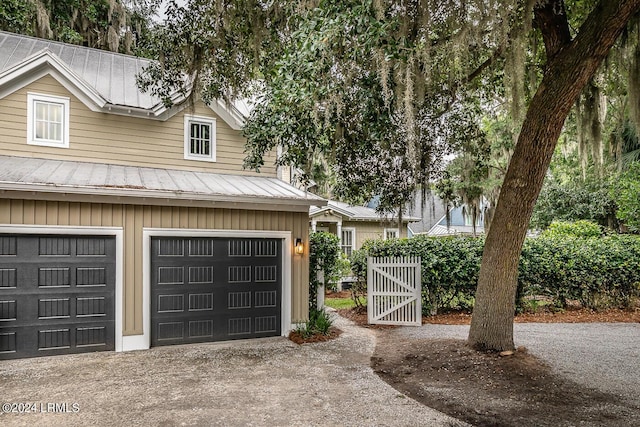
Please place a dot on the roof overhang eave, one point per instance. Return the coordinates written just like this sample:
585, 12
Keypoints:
145, 196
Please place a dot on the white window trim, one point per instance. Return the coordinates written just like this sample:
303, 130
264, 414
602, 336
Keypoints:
386, 230
353, 239
32, 98
188, 118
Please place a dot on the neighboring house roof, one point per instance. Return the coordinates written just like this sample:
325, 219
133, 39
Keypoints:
453, 230
434, 219
104, 81
153, 185
353, 213
430, 214
458, 224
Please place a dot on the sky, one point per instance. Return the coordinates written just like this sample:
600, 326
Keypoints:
163, 8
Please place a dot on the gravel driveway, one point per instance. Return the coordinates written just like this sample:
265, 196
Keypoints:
604, 356
258, 383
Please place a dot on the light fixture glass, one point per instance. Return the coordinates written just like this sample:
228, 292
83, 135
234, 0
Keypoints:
299, 247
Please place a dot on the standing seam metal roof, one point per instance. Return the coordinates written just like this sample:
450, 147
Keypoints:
113, 75
21, 173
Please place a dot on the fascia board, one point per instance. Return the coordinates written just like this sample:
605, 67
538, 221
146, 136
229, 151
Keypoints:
228, 113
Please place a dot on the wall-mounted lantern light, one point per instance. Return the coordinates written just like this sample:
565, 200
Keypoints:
299, 246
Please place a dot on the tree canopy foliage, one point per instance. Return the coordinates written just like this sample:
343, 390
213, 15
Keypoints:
382, 88
115, 25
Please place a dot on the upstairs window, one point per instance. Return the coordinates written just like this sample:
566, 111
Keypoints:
199, 138
47, 120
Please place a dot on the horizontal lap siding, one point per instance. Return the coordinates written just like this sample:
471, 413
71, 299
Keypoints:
133, 218
365, 231
111, 138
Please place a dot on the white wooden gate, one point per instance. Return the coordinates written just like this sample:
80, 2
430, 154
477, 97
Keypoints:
393, 291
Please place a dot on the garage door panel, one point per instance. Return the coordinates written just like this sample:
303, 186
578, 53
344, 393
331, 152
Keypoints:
57, 295
215, 289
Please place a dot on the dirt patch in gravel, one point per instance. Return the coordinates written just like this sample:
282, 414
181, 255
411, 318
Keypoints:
485, 389
490, 390
359, 317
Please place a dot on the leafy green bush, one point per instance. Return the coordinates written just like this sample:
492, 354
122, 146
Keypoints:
358, 262
581, 228
324, 255
598, 272
626, 192
319, 323
561, 264
574, 201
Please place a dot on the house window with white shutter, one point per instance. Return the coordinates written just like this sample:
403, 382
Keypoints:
199, 138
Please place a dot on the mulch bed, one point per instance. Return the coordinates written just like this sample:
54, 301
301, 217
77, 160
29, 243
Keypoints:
571, 315
298, 338
359, 317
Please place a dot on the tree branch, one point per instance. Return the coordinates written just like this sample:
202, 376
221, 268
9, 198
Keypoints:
486, 64
550, 17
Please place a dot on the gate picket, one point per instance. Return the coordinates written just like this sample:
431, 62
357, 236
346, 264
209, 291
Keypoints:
393, 291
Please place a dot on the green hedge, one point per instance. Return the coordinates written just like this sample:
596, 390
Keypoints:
597, 271
449, 267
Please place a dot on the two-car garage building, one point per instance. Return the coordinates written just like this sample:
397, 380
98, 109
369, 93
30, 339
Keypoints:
89, 274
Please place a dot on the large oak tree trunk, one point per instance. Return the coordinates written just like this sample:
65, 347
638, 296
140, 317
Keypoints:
570, 65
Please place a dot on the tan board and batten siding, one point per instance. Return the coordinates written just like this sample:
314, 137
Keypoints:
116, 139
133, 218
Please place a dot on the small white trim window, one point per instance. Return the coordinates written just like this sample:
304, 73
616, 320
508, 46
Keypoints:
199, 138
348, 240
47, 120
391, 233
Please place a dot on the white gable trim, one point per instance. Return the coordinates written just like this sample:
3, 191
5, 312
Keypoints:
45, 63
228, 113
335, 210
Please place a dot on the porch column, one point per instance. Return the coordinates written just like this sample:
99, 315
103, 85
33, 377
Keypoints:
339, 233
314, 225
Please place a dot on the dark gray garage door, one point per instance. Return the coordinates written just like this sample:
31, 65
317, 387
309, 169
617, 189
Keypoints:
214, 289
56, 295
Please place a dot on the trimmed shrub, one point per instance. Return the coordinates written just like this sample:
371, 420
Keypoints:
599, 272
580, 228
450, 267
568, 263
